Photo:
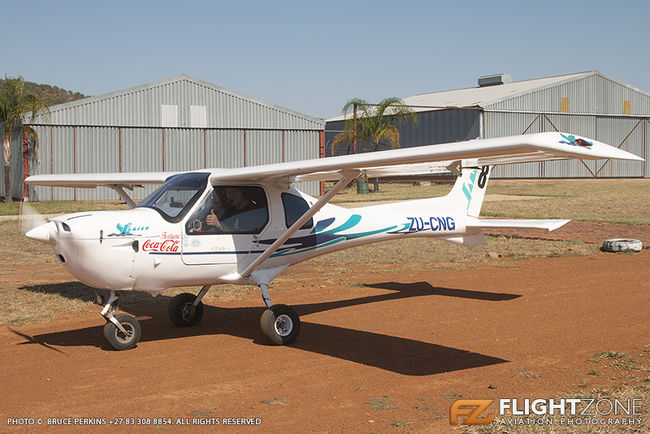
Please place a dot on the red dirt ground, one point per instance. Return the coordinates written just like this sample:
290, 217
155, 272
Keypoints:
390, 356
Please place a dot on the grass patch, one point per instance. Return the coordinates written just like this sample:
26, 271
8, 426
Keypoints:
399, 423
64, 206
597, 200
415, 253
391, 191
526, 373
607, 355
275, 401
383, 403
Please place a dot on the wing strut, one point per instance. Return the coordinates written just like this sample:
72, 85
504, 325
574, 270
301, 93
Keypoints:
125, 197
347, 177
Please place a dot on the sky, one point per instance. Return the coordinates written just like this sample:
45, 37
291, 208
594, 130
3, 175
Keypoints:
311, 56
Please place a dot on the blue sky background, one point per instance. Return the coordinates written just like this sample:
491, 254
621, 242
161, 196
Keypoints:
313, 56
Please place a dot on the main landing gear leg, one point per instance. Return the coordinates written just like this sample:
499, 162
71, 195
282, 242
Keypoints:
121, 331
186, 309
279, 323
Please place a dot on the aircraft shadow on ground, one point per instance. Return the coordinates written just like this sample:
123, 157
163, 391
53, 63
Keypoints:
396, 354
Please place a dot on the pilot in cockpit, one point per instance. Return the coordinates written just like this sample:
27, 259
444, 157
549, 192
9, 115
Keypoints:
221, 210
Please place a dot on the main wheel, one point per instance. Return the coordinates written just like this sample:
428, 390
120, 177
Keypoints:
281, 324
182, 311
120, 340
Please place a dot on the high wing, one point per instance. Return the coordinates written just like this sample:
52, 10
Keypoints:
92, 180
421, 159
116, 181
473, 153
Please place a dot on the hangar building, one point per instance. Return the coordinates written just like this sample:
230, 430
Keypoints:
176, 124
588, 103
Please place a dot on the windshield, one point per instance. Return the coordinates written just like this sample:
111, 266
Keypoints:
176, 196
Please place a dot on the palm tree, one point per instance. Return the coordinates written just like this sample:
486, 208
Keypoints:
373, 125
15, 107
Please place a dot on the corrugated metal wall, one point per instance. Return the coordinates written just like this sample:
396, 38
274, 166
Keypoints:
596, 109
125, 132
16, 164
68, 149
646, 148
626, 132
440, 126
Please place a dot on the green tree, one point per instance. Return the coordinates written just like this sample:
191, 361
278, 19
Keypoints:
15, 107
373, 126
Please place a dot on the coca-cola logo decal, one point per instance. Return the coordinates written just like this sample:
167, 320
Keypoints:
167, 243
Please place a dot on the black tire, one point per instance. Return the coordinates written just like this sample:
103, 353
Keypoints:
182, 312
281, 324
119, 340
621, 245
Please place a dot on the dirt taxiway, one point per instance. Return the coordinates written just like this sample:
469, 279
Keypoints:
389, 356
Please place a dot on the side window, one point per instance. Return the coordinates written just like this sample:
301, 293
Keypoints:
294, 208
233, 209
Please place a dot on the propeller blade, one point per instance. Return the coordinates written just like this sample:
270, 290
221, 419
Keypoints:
29, 218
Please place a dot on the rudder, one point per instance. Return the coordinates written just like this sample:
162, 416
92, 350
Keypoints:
469, 190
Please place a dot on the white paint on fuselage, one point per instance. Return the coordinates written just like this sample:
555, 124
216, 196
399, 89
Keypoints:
139, 250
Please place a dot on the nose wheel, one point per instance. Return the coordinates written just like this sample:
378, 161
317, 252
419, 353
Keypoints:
125, 338
121, 331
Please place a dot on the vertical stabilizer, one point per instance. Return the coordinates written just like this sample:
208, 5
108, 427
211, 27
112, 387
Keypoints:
469, 190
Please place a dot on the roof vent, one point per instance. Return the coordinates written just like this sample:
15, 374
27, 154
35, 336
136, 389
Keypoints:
493, 80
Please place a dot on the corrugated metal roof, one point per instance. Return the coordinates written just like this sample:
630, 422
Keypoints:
129, 107
481, 97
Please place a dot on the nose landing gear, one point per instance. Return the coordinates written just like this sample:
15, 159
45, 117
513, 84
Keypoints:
121, 331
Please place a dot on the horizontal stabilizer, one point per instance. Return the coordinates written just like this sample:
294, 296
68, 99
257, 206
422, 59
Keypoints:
549, 225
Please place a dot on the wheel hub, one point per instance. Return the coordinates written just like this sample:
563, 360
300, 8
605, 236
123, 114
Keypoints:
125, 337
188, 311
283, 325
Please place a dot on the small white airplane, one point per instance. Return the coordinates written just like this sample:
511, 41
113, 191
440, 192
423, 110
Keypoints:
247, 225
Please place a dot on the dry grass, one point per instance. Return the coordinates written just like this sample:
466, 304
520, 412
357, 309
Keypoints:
612, 201
598, 200
432, 253
64, 206
392, 191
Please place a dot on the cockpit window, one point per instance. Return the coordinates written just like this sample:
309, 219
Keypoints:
237, 209
177, 195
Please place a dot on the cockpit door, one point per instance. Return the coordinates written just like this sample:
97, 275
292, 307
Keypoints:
226, 227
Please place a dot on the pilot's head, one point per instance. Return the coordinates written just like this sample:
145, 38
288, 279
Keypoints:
236, 197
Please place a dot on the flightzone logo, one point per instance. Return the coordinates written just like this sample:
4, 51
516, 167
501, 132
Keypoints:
564, 411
